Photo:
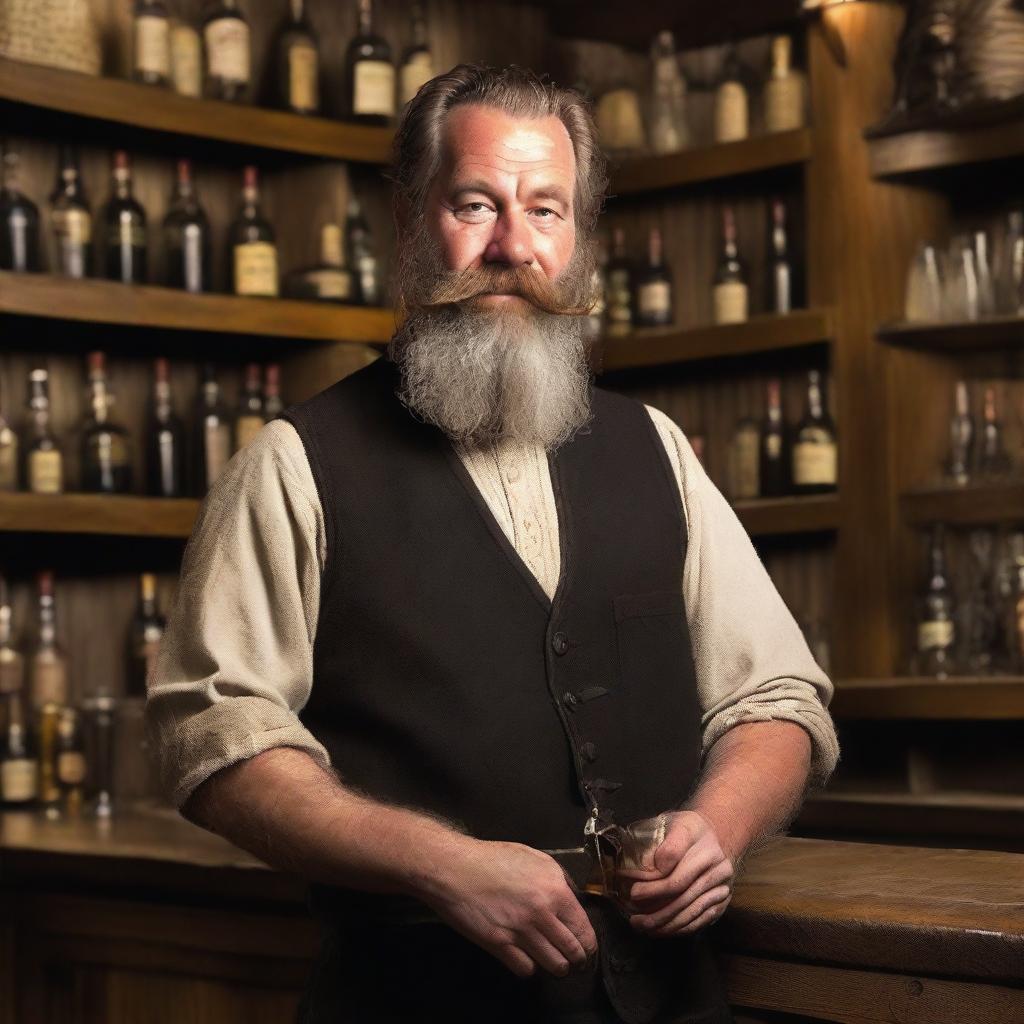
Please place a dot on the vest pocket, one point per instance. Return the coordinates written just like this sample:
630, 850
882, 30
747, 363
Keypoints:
651, 639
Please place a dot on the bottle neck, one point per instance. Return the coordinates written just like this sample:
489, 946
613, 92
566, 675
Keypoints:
365, 17
47, 622
298, 11
814, 404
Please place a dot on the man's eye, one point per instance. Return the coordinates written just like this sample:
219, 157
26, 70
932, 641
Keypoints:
473, 211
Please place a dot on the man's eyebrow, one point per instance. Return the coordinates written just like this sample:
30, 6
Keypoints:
472, 185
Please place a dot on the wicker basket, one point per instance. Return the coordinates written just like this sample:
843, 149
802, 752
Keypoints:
59, 33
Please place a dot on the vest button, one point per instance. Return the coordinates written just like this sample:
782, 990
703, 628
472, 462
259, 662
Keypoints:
560, 643
569, 699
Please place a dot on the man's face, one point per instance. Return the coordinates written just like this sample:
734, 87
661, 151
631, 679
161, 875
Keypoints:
504, 195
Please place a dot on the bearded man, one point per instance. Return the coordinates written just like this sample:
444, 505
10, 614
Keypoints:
462, 606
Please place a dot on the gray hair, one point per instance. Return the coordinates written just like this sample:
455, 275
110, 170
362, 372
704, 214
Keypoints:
517, 92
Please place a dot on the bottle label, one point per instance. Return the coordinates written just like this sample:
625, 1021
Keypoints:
331, 284
73, 227
934, 636
71, 767
186, 61
784, 103
49, 681
620, 317
246, 428
655, 299
745, 465
303, 77
730, 299
217, 447
152, 45
8, 462
256, 268
12, 671
128, 231
814, 463
416, 73
773, 446
227, 49
45, 472
19, 780
106, 451
373, 91
192, 257
731, 115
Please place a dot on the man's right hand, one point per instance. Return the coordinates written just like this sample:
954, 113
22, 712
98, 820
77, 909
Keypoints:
516, 903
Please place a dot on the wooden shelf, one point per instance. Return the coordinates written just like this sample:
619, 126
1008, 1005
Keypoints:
978, 504
769, 517
766, 333
152, 109
110, 515
992, 132
109, 302
980, 698
975, 335
711, 163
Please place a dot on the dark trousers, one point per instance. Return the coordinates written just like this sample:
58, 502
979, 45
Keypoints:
371, 973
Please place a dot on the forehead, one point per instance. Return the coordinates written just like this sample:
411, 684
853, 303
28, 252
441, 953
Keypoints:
479, 138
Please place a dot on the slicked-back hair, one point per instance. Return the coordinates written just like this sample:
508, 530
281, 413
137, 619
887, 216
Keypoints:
515, 91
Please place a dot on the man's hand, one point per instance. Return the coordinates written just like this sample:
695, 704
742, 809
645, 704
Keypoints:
690, 884
516, 903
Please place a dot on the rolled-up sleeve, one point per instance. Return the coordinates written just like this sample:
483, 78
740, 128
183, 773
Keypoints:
750, 656
235, 667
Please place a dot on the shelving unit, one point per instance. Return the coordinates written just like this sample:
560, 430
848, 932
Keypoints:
109, 515
978, 504
770, 517
968, 336
765, 333
711, 163
978, 698
109, 302
147, 109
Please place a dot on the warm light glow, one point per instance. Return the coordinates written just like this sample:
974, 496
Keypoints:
817, 5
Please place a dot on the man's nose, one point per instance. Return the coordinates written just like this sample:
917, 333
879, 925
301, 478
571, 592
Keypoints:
510, 243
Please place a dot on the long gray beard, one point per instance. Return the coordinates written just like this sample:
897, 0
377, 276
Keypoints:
487, 376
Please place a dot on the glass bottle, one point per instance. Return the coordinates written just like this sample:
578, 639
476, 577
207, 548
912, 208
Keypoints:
253, 246
249, 418
100, 716
815, 452
669, 132
744, 476
187, 236
9, 445
273, 406
298, 63
151, 53
19, 765
47, 663
12, 662
595, 328
106, 448
19, 221
784, 92
1015, 626
165, 439
983, 271
72, 222
730, 293
936, 630
961, 438
1011, 265
773, 464
43, 461
329, 280
228, 57
417, 64
731, 114
144, 636
125, 224
654, 286
993, 460
780, 299
71, 768
362, 260
369, 73
619, 293
186, 58
213, 434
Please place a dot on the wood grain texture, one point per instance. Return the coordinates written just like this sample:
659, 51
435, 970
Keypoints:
956, 698
921, 151
778, 516
991, 333
979, 504
114, 515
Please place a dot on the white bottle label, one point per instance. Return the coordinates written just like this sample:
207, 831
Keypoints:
415, 74
186, 61
655, 299
19, 780
731, 114
227, 49
255, 269
331, 284
45, 472
152, 45
374, 88
71, 767
784, 103
933, 636
73, 227
814, 463
730, 299
303, 77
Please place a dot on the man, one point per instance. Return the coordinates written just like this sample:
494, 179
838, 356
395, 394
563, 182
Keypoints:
449, 610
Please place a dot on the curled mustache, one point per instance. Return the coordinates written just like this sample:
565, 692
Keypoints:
571, 298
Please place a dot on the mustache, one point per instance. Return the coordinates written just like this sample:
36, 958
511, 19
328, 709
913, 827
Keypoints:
451, 288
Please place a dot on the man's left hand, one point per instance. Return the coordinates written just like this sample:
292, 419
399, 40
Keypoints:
690, 884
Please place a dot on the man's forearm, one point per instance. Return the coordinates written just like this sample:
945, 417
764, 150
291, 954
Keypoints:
287, 810
753, 783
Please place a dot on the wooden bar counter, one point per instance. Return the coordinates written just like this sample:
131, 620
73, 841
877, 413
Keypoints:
149, 919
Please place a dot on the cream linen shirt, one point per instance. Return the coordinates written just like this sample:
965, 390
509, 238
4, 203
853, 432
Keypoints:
236, 664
